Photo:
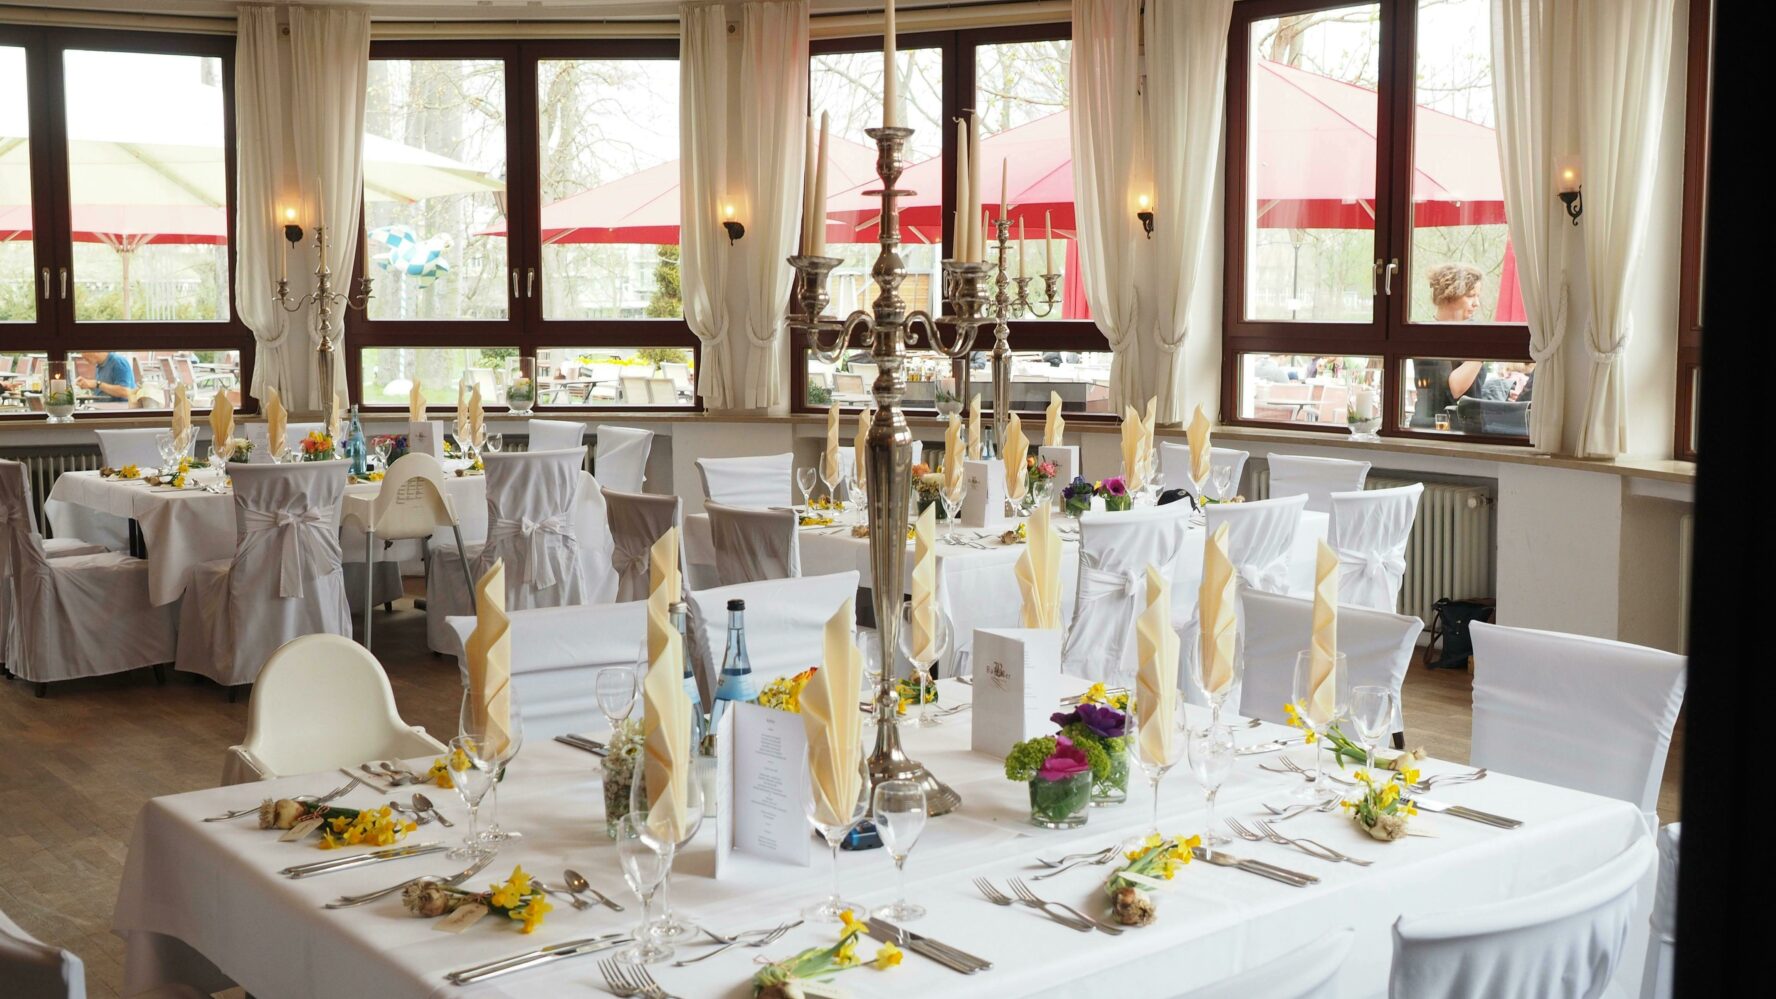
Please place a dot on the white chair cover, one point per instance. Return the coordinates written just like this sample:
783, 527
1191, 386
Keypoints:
1310, 972
555, 435
637, 520
118, 448
1661, 956
1115, 550
1562, 941
592, 527
1315, 478
285, 580
1377, 648
74, 615
752, 545
52, 548
620, 457
1259, 537
321, 702
1584, 713
1369, 530
530, 524
758, 482
556, 655
785, 622
35, 970
1174, 465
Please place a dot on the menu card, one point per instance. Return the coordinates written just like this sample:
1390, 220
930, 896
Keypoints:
761, 787
1066, 462
260, 437
984, 506
1017, 675
426, 437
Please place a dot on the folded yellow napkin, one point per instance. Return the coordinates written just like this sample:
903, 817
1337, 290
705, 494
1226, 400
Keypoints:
925, 585
489, 654
1156, 674
276, 421
859, 445
336, 420
181, 412
833, 722
953, 477
1015, 449
1198, 435
1039, 572
416, 403
1147, 425
1055, 425
221, 420
477, 417
974, 431
462, 412
666, 718
1324, 643
1132, 431
1217, 614
830, 468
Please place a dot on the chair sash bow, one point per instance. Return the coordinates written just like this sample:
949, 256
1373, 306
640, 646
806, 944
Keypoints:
543, 543
1377, 568
303, 540
1272, 577
1104, 595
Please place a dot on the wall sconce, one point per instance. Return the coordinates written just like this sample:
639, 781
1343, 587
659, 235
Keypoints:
1570, 187
734, 228
1144, 204
292, 231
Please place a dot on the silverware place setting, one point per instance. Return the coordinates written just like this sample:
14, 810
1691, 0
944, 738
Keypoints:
307, 799
582, 743
362, 860
1271, 746
624, 979
1283, 814
745, 938
1221, 858
1313, 848
1464, 812
347, 901
997, 897
1423, 785
577, 883
534, 958
950, 957
1029, 898
421, 803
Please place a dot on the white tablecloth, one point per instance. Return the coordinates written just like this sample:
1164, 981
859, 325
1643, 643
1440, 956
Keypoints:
211, 887
184, 527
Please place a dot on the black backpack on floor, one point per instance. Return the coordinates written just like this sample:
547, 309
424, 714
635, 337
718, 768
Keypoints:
1449, 630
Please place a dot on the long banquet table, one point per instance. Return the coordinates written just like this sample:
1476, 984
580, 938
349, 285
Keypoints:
193, 891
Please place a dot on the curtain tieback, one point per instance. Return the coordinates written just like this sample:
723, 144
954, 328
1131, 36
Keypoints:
544, 543
302, 539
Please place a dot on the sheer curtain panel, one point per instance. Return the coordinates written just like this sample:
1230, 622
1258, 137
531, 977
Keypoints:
261, 107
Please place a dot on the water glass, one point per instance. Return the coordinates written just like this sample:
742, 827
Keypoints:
831, 908
924, 660
472, 782
646, 859
1222, 477
900, 813
1317, 718
168, 446
472, 723
1372, 712
1211, 760
617, 688
666, 924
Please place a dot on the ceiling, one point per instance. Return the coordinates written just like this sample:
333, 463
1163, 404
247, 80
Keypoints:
504, 10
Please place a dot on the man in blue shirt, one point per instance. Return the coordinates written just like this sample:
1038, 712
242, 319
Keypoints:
112, 374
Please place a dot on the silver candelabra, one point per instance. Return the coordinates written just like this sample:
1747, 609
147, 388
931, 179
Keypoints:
1009, 304
325, 299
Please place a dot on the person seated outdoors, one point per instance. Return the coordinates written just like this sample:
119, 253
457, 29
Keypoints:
1455, 294
113, 374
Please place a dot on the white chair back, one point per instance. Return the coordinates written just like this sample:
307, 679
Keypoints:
34, 969
118, 448
1561, 941
323, 701
555, 435
1377, 649
556, 655
620, 457
752, 545
1369, 530
637, 520
531, 525
1315, 478
1661, 957
412, 501
1115, 550
286, 580
592, 528
1584, 713
1260, 535
757, 482
21, 549
1310, 972
785, 622
1174, 465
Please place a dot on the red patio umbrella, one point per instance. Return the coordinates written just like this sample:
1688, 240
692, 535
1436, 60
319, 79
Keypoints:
128, 228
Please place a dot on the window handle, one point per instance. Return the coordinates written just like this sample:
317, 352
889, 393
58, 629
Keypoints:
1387, 281
1375, 278
46, 284
514, 282
530, 280
64, 271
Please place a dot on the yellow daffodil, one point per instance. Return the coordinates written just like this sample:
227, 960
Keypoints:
887, 957
851, 923
532, 913
440, 772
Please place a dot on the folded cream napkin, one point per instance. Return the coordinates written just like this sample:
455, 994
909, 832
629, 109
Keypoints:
953, 478
221, 420
974, 431
1218, 613
1156, 674
1324, 643
1039, 572
830, 468
462, 412
858, 445
1055, 425
477, 417
1132, 431
489, 654
925, 585
1015, 450
666, 713
834, 723
1147, 428
181, 412
1198, 435
416, 403
276, 422
336, 420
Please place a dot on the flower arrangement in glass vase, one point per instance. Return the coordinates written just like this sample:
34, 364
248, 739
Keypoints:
619, 772
1077, 496
928, 486
518, 898
1382, 810
785, 692
317, 446
1039, 474
1060, 773
1099, 724
783, 979
1152, 863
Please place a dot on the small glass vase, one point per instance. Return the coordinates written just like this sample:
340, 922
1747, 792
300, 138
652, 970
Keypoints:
1061, 804
521, 387
58, 392
1117, 504
1365, 430
1114, 788
619, 774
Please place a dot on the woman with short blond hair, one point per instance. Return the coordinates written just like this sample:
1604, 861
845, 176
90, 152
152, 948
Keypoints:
1455, 294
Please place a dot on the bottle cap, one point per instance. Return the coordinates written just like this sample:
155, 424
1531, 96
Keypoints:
736, 605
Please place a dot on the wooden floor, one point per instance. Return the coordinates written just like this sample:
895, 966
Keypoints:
76, 767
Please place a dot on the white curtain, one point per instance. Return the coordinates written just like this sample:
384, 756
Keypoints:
261, 107
1186, 92
1624, 64
330, 54
1109, 174
1531, 59
742, 136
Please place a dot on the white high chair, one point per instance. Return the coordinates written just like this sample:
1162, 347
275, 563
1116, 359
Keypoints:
412, 504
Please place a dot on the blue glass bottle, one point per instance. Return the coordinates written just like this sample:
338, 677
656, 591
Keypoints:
737, 681
355, 448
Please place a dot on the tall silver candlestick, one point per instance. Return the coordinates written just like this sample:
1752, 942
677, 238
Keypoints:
1011, 300
324, 299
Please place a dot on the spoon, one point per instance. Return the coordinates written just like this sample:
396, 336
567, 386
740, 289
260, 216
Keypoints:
424, 804
419, 817
577, 883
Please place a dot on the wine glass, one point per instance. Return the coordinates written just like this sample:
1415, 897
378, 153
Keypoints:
1230, 687
831, 477
924, 660
1317, 717
472, 782
1157, 743
380, 448
805, 478
856, 499
646, 859
831, 908
493, 442
168, 446
499, 747
1372, 711
666, 925
952, 504
617, 688
900, 813
1222, 477
1211, 760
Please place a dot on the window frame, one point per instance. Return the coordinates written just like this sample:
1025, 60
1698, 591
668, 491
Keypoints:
1698, 106
1389, 335
524, 327
55, 332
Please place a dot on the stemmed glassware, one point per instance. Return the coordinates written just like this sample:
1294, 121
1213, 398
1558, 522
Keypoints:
831, 908
666, 925
465, 444
1211, 760
380, 448
1372, 712
1222, 477
616, 688
952, 503
498, 751
1216, 699
168, 446
805, 478
493, 442
900, 812
856, 498
1316, 718
1158, 751
926, 659
832, 484
646, 860
472, 782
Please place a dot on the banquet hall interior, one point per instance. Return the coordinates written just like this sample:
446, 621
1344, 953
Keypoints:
1154, 498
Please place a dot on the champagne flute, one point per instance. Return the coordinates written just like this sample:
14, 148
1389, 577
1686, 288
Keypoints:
805, 478
1372, 711
645, 858
1229, 687
666, 924
1317, 715
472, 782
499, 745
900, 813
925, 659
1157, 744
831, 908
1211, 760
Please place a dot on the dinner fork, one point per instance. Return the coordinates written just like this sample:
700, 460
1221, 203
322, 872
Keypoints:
1274, 837
1105, 852
1284, 814
1331, 852
305, 798
769, 938
1029, 898
631, 980
998, 897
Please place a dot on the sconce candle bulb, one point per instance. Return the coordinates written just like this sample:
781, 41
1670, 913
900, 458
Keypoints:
1144, 204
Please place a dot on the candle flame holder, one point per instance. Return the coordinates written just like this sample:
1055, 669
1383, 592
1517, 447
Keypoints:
325, 300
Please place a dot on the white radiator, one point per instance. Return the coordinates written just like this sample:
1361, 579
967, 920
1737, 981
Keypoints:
42, 466
1451, 551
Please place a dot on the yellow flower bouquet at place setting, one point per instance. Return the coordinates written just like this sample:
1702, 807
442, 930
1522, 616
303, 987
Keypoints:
782, 979
785, 692
1382, 810
518, 898
1152, 864
338, 825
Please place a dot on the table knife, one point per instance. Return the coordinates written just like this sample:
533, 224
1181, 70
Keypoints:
1269, 747
592, 746
1220, 858
928, 948
1471, 814
531, 959
346, 863
897, 934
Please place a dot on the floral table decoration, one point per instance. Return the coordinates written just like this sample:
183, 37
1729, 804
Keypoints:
619, 772
1059, 774
518, 898
1149, 866
1100, 727
317, 446
1382, 810
784, 979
